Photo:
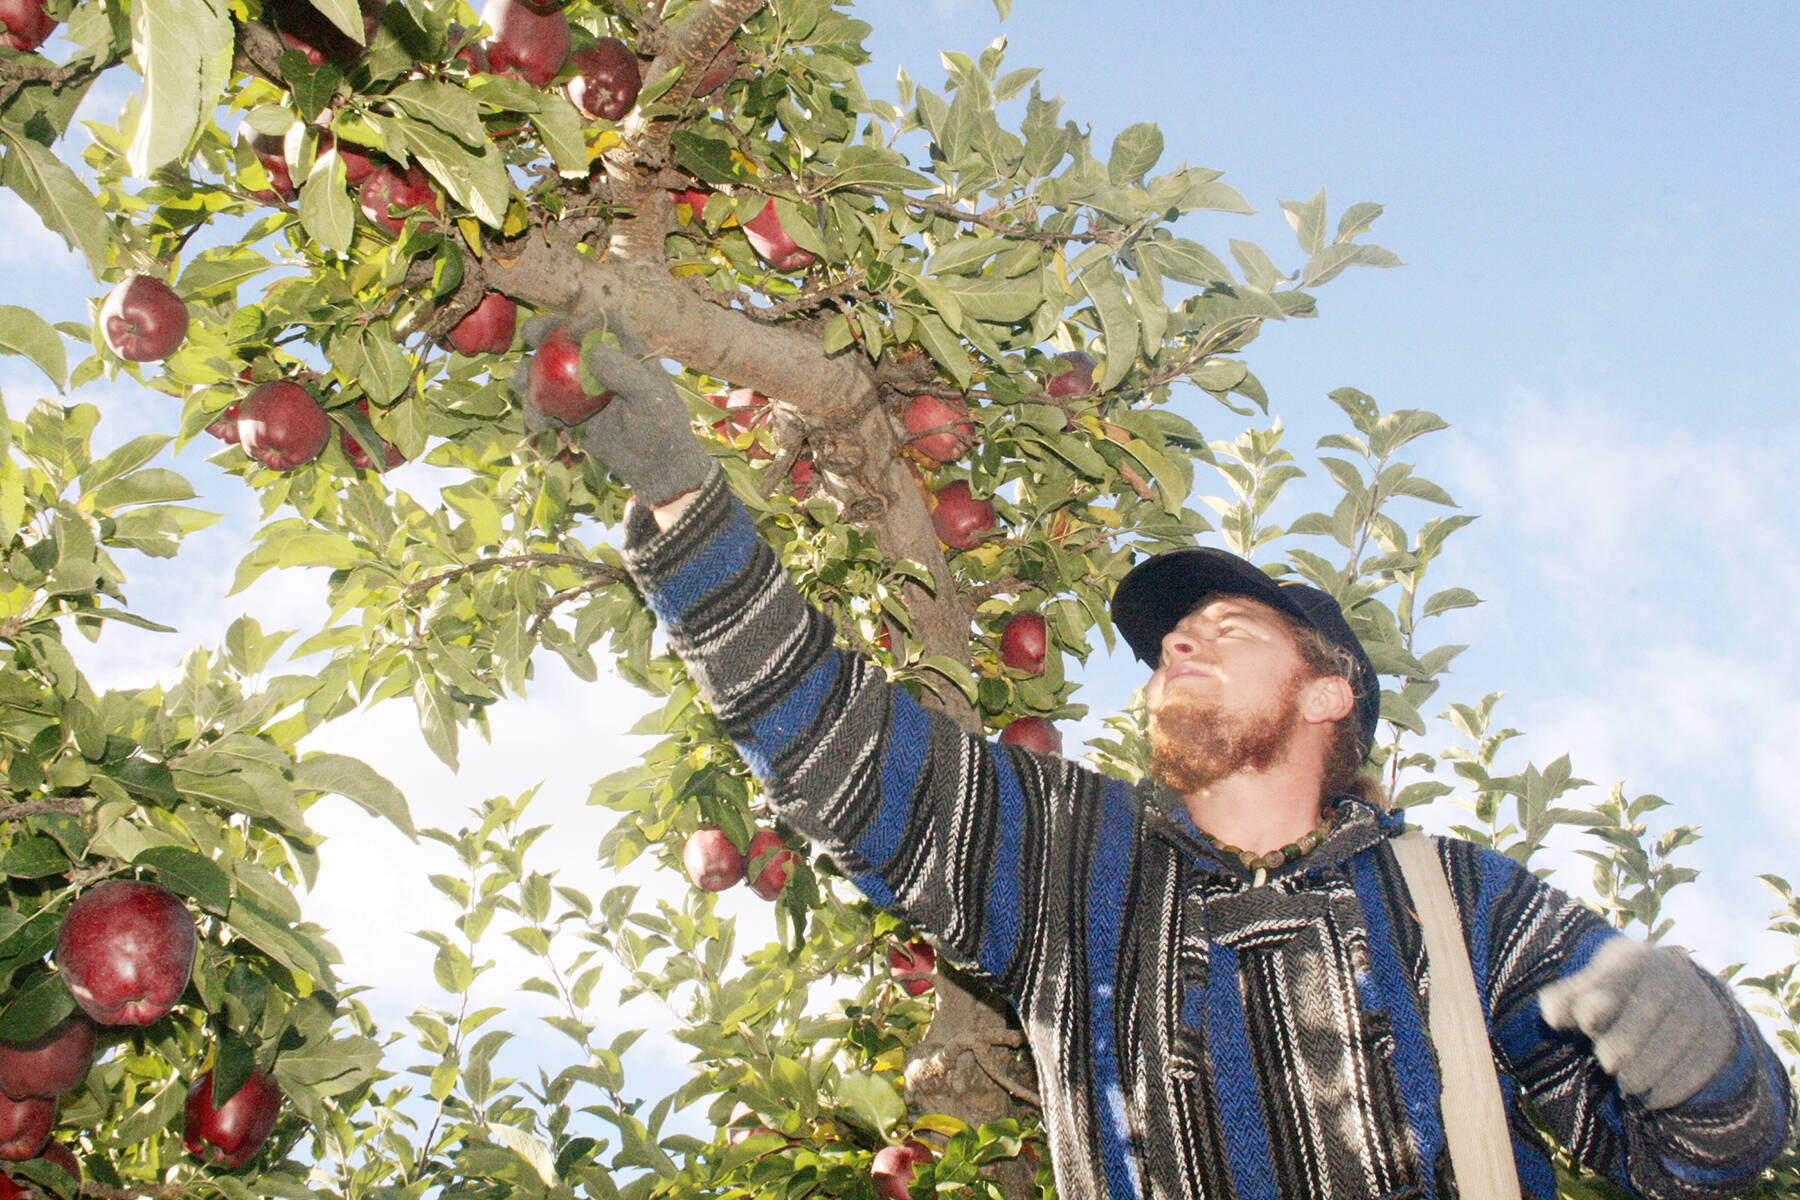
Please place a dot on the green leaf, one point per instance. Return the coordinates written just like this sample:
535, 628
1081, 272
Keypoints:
35, 1008
946, 348
153, 485
154, 1114
1134, 151
477, 181
1259, 270
1335, 259
1356, 220
437, 720
444, 106
124, 460
231, 1067
876, 1102
184, 49
32, 938
1117, 321
1308, 221
1183, 261
189, 873
560, 126
326, 210
60, 199
34, 858
251, 792
528, 1148
328, 1068
24, 332
355, 780
344, 14
1450, 598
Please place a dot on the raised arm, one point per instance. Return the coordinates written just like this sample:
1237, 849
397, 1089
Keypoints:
956, 834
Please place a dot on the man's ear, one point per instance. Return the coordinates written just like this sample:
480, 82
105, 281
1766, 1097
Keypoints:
1326, 699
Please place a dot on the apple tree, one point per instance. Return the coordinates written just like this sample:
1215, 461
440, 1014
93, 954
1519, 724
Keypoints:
955, 357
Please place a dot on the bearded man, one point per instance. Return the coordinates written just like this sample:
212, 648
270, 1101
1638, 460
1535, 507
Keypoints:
1219, 971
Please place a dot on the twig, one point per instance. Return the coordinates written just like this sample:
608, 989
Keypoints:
167, 1191
37, 808
950, 212
550, 604
600, 571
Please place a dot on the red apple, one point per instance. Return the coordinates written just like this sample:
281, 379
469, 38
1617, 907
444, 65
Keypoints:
801, 476
51, 1064
553, 380
777, 862
1033, 733
25, 1126
234, 1131
713, 863
530, 39
1078, 380
389, 188
606, 81
693, 199
27, 24
125, 951
745, 409
959, 518
772, 243
736, 1133
143, 320
910, 964
487, 328
282, 425
1024, 642
271, 152
359, 458
304, 28
53, 1152
892, 1169
358, 165
938, 427
224, 426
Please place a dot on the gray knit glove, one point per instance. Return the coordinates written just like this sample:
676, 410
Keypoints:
1657, 1026
643, 435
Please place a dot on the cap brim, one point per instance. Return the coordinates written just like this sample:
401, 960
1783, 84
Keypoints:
1157, 593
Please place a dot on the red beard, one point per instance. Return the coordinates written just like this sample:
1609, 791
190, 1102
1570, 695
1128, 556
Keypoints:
1194, 743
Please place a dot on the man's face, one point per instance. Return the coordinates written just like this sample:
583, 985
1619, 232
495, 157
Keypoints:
1225, 696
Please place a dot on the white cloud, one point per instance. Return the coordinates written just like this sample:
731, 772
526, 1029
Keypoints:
31, 245
1639, 580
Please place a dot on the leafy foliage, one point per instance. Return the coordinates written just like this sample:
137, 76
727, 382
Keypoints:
962, 243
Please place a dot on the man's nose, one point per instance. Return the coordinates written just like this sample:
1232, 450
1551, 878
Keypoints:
1181, 643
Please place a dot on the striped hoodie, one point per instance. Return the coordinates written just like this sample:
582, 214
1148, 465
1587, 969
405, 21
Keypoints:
1194, 1036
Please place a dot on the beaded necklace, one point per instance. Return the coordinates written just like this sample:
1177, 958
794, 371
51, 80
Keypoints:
1262, 864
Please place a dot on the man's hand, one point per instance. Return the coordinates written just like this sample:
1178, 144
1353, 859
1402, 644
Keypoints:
1657, 1027
643, 434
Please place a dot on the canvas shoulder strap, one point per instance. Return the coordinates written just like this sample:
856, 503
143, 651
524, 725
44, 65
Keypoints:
1474, 1119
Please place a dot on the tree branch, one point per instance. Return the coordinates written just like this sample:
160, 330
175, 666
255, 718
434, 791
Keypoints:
37, 808
600, 571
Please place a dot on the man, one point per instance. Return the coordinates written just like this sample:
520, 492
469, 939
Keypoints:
1219, 973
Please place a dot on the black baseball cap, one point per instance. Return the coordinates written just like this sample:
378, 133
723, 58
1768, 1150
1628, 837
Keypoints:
1157, 593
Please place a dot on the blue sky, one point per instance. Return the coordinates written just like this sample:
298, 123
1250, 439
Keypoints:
1593, 204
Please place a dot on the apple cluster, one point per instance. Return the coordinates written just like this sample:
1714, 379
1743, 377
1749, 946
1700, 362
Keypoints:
714, 863
125, 952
